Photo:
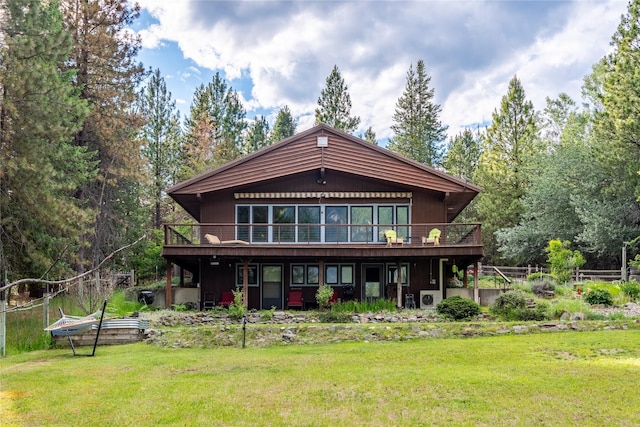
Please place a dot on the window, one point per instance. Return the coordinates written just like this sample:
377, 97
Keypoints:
308, 215
331, 275
320, 223
313, 274
339, 274
260, 215
362, 215
346, 274
284, 215
304, 274
336, 215
253, 274
392, 274
297, 274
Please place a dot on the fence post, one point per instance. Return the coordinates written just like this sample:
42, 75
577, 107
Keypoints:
3, 323
45, 305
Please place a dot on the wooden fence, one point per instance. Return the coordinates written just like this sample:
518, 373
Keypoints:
521, 273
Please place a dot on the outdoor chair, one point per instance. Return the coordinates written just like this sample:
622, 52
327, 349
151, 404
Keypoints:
433, 238
295, 299
209, 300
227, 299
392, 238
334, 298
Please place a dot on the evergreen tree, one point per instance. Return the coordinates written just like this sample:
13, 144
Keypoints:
284, 127
504, 170
160, 140
257, 135
104, 51
40, 169
370, 136
618, 125
334, 104
555, 117
419, 134
214, 127
461, 160
463, 154
550, 205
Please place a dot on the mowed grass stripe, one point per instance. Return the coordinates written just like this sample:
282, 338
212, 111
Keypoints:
585, 378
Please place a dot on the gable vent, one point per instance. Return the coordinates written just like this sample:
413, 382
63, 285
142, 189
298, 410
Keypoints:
323, 141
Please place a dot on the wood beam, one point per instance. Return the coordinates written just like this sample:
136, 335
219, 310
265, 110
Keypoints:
167, 292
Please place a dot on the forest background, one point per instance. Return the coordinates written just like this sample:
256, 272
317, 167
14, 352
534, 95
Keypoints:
90, 140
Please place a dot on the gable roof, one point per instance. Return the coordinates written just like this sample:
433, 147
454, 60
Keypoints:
346, 153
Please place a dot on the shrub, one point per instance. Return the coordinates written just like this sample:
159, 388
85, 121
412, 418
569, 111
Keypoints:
563, 261
598, 296
631, 289
458, 308
236, 308
541, 288
334, 317
365, 306
323, 295
508, 301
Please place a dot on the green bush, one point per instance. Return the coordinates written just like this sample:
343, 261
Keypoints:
508, 301
334, 317
236, 308
323, 295
366, 306
458, 308
598, 296
631, 289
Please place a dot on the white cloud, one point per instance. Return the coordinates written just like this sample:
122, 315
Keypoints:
471, 50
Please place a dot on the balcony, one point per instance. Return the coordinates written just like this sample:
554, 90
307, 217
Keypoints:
318, 235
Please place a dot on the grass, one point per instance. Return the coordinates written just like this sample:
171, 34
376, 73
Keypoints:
543, 380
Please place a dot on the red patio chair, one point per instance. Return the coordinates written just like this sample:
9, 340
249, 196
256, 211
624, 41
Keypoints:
227, 299
295, 299
334, 298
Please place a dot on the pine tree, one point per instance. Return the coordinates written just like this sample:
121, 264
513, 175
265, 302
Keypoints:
40, 110
104, 51
257, 135
618, 125
161, 139
284, 127
370, 136
462, 156
509, 146
334, 104
215, 126
419, 134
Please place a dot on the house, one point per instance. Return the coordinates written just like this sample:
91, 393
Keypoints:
322, 206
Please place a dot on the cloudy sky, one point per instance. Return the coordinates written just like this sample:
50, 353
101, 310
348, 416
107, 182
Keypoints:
280, 53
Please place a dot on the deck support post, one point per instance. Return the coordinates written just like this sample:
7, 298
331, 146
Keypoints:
399, 284
245, 283
167, 292
476, 291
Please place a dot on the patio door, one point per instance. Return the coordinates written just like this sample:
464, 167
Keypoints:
372, 283
272, 286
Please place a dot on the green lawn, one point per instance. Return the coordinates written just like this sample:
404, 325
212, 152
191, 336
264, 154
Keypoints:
552, 379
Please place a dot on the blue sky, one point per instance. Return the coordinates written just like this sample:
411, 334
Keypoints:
278, 53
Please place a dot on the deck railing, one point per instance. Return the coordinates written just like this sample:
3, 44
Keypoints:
452, 234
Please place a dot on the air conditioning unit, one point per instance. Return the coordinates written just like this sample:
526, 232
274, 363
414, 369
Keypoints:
429, 299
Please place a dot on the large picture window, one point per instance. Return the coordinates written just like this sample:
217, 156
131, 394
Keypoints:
320, 223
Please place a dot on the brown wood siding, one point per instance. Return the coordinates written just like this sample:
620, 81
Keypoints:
428, 207
344, 156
